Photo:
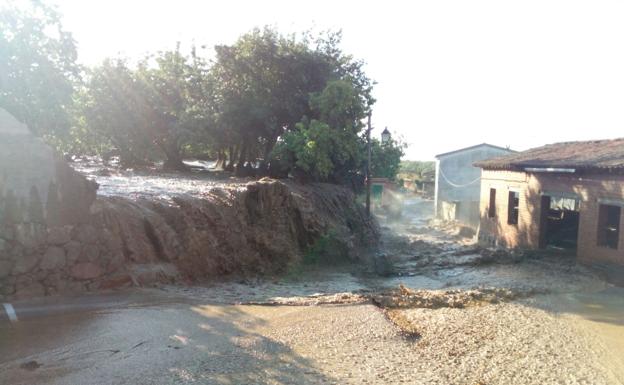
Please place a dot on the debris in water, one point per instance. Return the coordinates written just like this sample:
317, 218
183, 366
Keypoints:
404, 297
30, 365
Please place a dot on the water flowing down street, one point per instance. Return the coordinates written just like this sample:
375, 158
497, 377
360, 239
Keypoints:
558, 321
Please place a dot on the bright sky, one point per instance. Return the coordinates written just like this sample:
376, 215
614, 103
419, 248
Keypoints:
450, 74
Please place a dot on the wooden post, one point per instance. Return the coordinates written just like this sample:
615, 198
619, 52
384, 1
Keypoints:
368, 166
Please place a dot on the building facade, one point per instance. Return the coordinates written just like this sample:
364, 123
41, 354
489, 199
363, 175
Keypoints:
567, 195
457, 182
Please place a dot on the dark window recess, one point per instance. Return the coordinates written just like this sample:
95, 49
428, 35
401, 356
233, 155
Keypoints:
492, 207
609, 226
512, 207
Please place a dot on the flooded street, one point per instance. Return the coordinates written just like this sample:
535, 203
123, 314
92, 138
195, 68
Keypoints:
565, 325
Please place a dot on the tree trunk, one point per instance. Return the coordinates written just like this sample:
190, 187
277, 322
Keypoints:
127, 158
242, 158
220, 165
174, 158
268, 149
232, 156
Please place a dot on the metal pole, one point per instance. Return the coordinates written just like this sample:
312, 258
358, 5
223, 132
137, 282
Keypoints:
368, 166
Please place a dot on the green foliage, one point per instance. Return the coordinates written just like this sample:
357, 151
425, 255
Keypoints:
112, 105
386, 158
37, 67
174, 92
416, 169
266, 84
329, 148
292, 103
158, 107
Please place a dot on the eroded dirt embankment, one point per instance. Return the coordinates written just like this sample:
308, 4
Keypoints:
255, 228
261, 227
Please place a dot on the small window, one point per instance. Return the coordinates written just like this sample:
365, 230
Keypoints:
609, 226
512, 207
492, 208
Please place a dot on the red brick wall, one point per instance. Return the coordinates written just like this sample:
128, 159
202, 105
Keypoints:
590, 189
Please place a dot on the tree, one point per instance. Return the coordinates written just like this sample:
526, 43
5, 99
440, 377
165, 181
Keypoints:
330, 147
112, 106
176, 111
37, 67
417, 168
264, 84
386, 158
154, 109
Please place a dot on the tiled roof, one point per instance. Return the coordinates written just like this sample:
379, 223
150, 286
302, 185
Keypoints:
587, 155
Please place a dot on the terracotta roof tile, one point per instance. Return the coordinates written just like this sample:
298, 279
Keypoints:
594, 154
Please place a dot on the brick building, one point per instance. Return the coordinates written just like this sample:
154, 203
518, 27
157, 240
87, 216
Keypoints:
567, 195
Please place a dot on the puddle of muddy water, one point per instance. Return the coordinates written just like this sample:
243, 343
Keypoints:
598, 313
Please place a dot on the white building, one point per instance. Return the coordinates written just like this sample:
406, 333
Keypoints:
458, 182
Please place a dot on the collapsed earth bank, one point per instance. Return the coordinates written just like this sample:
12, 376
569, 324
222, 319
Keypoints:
58, 236
264, 227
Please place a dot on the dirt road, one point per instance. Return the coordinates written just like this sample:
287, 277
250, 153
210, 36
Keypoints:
570, 331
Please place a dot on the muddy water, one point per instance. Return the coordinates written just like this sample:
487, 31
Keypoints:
154, 183
183, 335
600, 314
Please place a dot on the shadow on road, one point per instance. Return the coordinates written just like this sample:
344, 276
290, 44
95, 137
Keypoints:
171, 345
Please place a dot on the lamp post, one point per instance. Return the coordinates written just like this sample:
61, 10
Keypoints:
385, 136
368, 165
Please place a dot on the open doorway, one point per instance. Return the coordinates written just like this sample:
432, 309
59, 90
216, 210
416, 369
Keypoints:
559, 222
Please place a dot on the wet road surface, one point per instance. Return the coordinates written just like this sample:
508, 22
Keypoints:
195, 335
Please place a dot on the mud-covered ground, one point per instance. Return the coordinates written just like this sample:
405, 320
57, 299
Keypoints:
154, 183
443, 312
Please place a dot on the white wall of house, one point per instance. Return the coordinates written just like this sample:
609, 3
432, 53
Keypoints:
458, 183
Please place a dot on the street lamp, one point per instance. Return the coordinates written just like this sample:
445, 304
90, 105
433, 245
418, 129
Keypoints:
368, 164
385, 136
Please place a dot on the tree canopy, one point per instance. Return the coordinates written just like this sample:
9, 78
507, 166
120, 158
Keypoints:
38, 67
267, 104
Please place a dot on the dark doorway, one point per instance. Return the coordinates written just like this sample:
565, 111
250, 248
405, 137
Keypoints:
559, 222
